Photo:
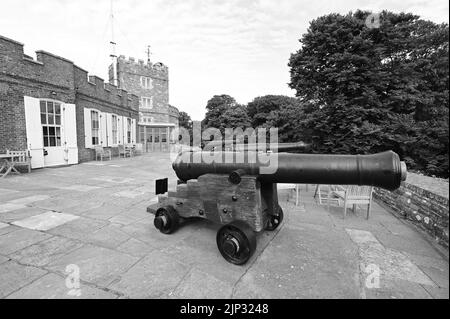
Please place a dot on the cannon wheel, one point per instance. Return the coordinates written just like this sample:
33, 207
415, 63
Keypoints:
166, 219
275, 220
236, 242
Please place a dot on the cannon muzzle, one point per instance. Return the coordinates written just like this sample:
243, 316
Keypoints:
383, 170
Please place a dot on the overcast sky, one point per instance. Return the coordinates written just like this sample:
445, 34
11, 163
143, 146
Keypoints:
240, 48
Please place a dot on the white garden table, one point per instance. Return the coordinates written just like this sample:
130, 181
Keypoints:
7, 164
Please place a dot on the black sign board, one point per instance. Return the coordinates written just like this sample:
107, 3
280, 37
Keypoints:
161, 186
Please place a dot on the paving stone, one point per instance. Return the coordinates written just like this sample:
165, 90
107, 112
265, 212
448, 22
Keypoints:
78, 228
19, 214
416, 245
46, 251
45, 221
392, 264
29, 199
130, 193
155, 276
8, 207
3, 259
112, 179
438, 276
5, 191
81, 188
97, 265
397, 289
126, 219
199, 249
52, 286
303, 263
200, 285
19, 239
83, 206
363, 238
109, 236
14, 276
9, 229
145, 231
135, 248
426, 261
9, 194
103, 212
59, 204
437, 293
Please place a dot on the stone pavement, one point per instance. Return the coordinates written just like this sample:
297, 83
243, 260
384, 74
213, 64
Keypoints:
90, 218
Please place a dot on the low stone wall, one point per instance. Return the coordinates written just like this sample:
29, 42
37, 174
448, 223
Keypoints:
424, 208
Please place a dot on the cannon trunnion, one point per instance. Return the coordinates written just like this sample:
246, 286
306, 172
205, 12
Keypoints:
245, 201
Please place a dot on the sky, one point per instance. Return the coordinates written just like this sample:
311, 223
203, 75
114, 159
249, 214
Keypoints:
237, 47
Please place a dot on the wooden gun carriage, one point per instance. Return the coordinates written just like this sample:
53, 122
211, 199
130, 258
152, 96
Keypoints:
240, 193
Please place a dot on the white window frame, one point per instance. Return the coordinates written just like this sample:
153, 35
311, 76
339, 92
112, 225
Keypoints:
129, 130
146, 82
97, 129
57, 127
147, 102
115, 128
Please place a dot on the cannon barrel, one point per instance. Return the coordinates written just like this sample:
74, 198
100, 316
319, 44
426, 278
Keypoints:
278, 147
383, 170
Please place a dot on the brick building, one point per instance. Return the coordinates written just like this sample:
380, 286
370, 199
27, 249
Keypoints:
150, 82
52, 108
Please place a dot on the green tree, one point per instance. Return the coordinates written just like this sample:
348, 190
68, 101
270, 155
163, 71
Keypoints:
365, 82
184, 120
223, 112
283, 112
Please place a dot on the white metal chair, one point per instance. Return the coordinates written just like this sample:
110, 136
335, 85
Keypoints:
138, 148
22, 158
291, 187
325, 196
101, 152
354, 195
125, 151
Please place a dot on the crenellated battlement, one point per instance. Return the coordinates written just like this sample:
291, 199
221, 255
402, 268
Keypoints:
157, 67
59, 72
95, 87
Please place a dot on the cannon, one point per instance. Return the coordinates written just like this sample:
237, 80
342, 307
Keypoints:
239, 190
230, 145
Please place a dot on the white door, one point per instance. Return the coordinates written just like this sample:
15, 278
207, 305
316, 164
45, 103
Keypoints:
51, 132
120, 130
124, 130
70, 134
87, 128
109, 125
34, 131
103, 129
133, 131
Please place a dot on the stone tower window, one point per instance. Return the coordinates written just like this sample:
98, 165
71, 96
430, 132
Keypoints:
146, 82
146, 102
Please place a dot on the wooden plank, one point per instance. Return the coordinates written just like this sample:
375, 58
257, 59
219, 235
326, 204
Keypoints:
213, 197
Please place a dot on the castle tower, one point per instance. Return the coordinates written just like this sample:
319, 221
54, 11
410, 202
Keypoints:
150, 82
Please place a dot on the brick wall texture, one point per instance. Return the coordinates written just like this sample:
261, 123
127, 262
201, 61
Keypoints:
52, 77
425, 209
